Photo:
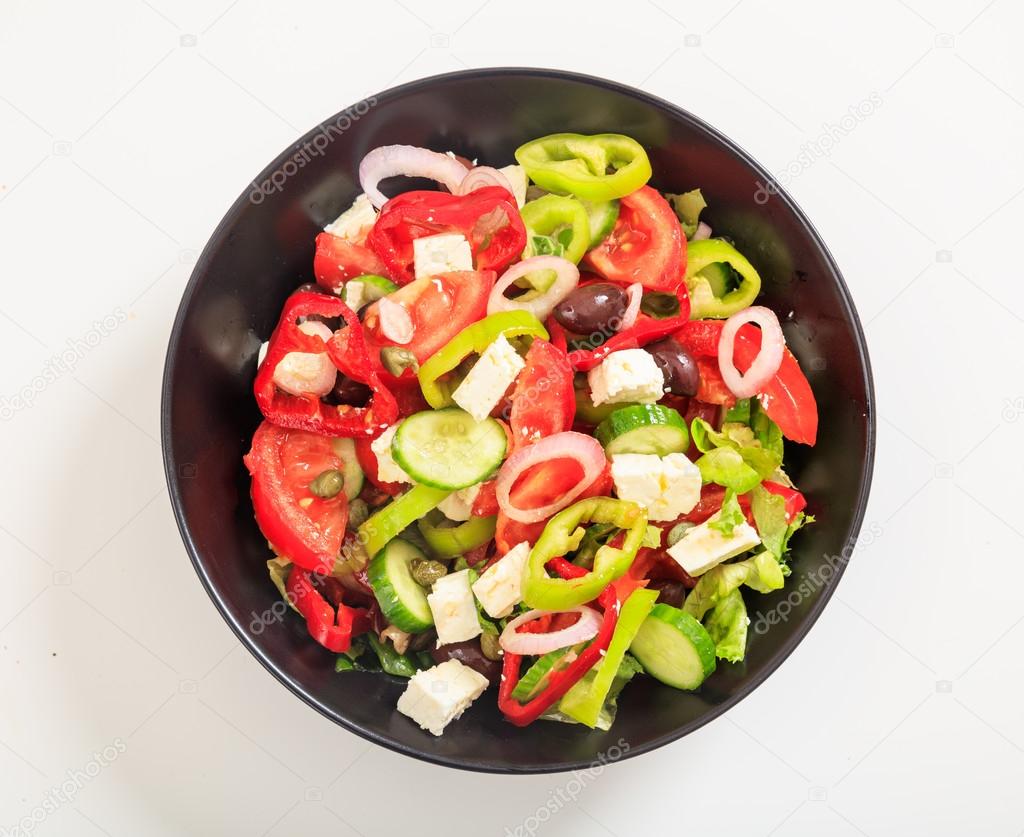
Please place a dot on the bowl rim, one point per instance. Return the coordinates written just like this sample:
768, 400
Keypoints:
198, 562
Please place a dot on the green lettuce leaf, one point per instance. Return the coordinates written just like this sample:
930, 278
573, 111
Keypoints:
628, 669
770, 520
729, 517
688, 207
727, 624
765, 460
760, 572
726, 466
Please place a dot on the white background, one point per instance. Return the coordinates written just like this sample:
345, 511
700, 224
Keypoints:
127, 127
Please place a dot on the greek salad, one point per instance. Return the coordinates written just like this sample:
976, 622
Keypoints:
526, 432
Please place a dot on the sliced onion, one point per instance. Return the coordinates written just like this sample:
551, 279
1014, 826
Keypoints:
768, 359
567, 277
584, 628
635, 292
585, 450
481, 176
410, 161
395, 322
703, 231
307, 373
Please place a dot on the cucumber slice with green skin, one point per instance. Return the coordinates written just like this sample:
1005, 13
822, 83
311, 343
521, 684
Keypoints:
448, 449
674, 648
536, 675
402, 601
603, 215
350, 470
644, 428
375, 286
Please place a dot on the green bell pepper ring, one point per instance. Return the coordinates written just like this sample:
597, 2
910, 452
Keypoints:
473, 338
452, 541
560, 537
548, 220
579, 165
584, 700
703, 301
388, 522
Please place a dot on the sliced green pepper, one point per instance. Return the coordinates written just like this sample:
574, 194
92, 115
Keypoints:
704, 302
556, 226
560, 537
389, 521
452, 541
584, 700
595, 168
474, 338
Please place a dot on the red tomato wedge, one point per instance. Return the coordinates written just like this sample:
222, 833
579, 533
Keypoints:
787, 398
337, 260
646, 245
368, 462
543, 400
301, 526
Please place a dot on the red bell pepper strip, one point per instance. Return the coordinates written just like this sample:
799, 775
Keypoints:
333, 630
488, 217
787, 398
338, 260
347, 350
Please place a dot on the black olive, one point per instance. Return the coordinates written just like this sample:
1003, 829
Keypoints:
471, 654
591, 309
669, 592
682, 376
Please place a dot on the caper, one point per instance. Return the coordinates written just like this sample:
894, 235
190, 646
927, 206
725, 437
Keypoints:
358, 511
490, 646
396, 360
328, 484
426, 572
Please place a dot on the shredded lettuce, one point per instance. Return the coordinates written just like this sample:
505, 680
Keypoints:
730, 516
760, 572
688, 207
770, 520
726, 466
727, 624
628, 668
762, 459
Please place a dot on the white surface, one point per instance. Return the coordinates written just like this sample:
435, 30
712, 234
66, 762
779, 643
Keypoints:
129, 127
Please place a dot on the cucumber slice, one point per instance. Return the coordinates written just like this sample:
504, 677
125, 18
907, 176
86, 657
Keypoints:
674, 648
448, 448
375, 286
603, 215
402, 601
536, 675
644, 428
350, 470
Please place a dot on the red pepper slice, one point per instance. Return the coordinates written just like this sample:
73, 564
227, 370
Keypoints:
543, 401
333, 630
488, 217
347, 350
338, 260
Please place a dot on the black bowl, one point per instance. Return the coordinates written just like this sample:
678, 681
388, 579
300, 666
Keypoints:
263, 249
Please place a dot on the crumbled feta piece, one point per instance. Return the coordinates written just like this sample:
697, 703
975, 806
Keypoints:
387, 469
307, 373
500, 588
451, 603
434, 254
626, 376
702, 547
494, 372
354, 221
459, 504
667, 486
437, 696
516, 176
354, 294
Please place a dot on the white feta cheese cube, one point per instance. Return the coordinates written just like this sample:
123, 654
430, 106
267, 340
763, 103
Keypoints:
459, 504
353, 223
484, 386
630, 375
703, 547
434, 254
354, 294
501, 587
387, 469
437, 696
516, 176
667, 486
451, 602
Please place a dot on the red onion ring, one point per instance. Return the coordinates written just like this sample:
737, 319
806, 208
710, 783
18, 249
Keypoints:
584, 628
636, 295
395, 322
703, 231
481, 176
567, 277
768, 359
410, 161
585, 450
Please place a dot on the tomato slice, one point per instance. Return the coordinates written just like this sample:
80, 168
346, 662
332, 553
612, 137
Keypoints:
543, 401
646, 244
337, 260
712, 388
301, 526
368, 462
